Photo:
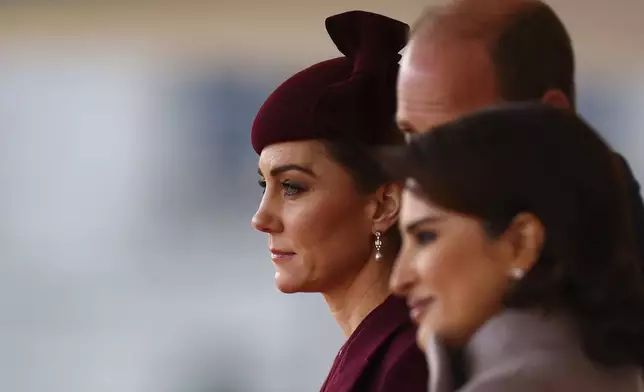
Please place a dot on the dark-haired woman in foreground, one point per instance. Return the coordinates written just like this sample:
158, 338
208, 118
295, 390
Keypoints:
518, 260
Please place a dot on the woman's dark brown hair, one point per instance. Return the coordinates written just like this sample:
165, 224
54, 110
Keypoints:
499, 162
361, 163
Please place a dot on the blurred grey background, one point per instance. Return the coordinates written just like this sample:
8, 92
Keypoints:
127, 261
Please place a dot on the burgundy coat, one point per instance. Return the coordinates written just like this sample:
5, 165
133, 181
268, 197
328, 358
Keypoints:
381, 355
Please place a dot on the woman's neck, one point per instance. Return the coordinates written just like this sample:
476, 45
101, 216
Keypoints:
351, 303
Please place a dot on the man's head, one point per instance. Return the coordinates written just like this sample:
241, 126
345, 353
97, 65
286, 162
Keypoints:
475, 53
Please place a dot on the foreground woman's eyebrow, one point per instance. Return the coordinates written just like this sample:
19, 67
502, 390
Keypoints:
288, 167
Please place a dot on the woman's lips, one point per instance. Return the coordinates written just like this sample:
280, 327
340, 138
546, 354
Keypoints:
281, 256
418, 308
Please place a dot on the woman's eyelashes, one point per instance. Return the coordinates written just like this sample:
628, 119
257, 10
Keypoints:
292, 188
425, 237
289, 187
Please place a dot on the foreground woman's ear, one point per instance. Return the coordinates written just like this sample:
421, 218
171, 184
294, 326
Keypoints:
386, 206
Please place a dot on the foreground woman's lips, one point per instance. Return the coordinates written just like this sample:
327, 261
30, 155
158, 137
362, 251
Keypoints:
281, 255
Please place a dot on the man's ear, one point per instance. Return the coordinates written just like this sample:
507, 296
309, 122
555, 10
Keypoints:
557, 98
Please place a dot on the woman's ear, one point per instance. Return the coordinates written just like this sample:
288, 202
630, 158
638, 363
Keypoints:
526, 236
388, 202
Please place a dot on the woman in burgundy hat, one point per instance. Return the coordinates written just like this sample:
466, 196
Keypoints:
329, 214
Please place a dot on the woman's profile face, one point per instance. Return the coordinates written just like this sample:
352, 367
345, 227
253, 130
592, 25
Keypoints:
453, 274
318, 224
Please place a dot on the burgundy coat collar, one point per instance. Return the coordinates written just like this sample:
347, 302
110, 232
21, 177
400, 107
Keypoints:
371, 335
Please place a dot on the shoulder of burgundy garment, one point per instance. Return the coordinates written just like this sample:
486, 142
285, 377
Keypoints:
404, 367
381, 355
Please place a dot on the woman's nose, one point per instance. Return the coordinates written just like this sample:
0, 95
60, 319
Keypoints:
264, 220
402, 276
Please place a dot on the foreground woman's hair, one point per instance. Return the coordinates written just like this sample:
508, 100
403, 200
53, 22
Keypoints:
497, 163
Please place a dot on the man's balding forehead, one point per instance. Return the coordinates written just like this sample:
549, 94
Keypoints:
469, 18
526, 41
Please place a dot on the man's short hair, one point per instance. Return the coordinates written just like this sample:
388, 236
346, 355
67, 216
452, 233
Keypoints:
528, 45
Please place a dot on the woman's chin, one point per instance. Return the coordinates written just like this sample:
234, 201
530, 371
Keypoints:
422, 337
287, 284
287, 289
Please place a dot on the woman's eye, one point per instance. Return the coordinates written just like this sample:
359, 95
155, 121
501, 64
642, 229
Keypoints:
292, 189
425, 237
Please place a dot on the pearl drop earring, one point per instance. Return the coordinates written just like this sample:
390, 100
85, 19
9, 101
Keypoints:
378, 245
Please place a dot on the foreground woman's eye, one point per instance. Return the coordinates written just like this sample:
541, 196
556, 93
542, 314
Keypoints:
292, 189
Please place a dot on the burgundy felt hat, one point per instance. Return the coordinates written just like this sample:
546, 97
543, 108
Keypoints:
353, 96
